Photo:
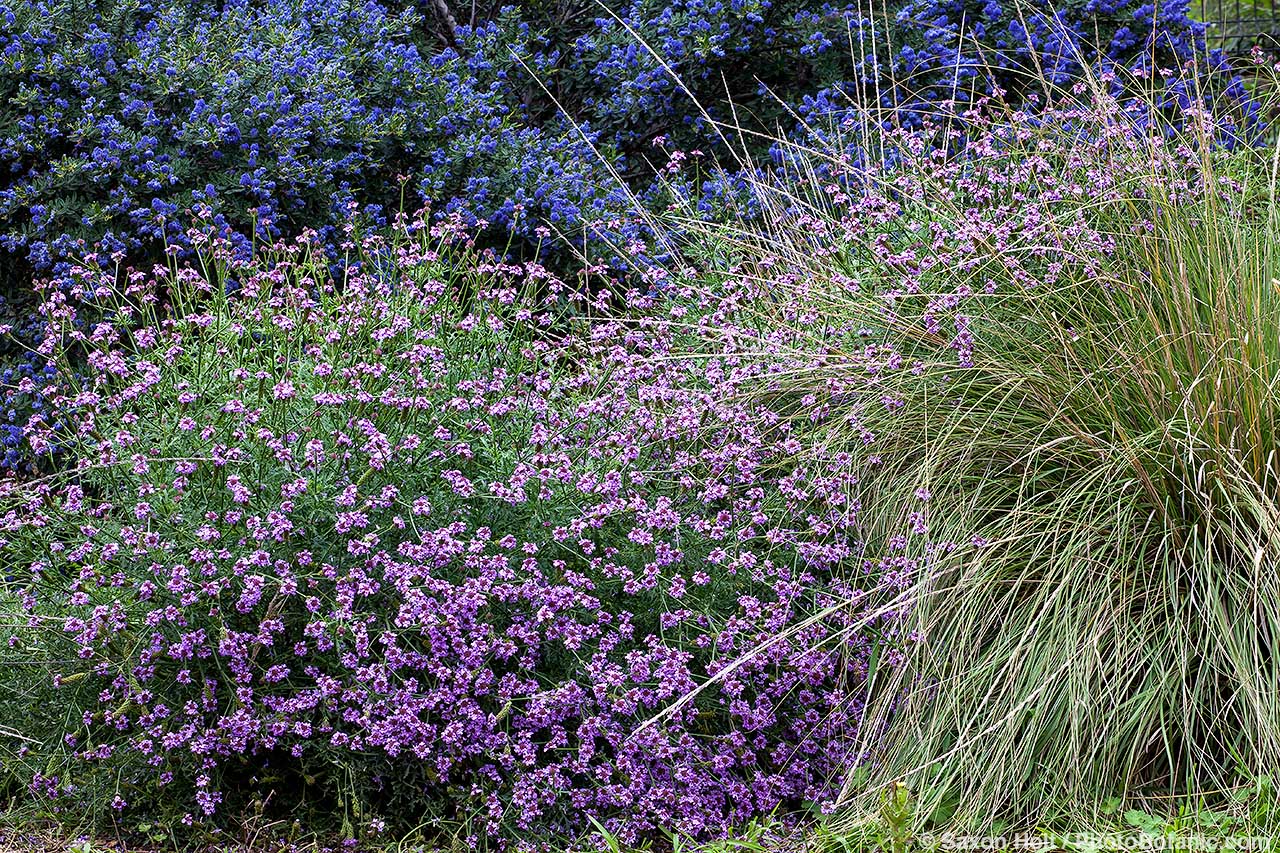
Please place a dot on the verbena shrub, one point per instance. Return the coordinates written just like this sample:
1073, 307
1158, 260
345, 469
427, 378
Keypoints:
444, 543
1073, 325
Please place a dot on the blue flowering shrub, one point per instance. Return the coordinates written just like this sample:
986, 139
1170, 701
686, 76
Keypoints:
273, 114
695, 71
947, 56
276, 113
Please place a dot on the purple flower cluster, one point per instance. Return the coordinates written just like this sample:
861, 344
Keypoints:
518, 567
1030, 202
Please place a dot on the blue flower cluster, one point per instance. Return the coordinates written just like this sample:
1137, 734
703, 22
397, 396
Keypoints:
274, 114
650, 68
959, 51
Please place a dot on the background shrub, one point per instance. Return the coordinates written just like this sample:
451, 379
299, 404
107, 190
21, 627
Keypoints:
276, 113
125, 116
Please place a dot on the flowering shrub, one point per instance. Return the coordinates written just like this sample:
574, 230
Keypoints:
432, 529
944, 58
272, 114
275, 114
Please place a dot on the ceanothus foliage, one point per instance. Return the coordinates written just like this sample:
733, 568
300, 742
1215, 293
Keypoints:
275, 113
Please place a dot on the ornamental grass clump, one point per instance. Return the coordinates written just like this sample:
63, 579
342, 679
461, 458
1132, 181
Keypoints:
1072, 321
442, 545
